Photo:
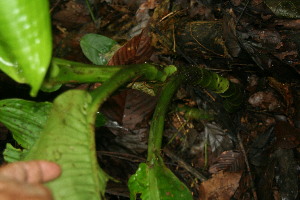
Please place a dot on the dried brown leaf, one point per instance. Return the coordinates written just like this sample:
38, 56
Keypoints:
265, 100
72, 15
135, 51
221, 186
232, 161
129, 108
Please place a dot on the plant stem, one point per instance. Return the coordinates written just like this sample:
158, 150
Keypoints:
150, 72
157, 123
90, 10
64, 71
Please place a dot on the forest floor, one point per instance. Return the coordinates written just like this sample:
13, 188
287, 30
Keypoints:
251, 153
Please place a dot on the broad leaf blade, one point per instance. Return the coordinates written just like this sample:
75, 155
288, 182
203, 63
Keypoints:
25, 119
68, 139
157, 182
98, 48
25, 41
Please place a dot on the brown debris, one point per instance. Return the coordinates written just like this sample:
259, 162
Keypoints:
135, 51
221, 186
230, 161
264, 100
287, 137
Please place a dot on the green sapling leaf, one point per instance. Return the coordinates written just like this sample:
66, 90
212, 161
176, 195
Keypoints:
157, 182
98, 48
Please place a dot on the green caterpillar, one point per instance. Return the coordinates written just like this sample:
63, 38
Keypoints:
231, 92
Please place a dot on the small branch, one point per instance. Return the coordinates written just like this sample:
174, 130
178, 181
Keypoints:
123, 156
184, 165
248, 166
90, 10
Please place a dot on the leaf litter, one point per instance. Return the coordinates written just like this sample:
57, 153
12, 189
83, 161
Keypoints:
255, 42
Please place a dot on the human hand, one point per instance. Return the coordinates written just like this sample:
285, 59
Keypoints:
23, 180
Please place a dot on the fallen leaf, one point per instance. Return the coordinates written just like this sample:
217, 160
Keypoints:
221, 186
232, 161
135, 51
265, 100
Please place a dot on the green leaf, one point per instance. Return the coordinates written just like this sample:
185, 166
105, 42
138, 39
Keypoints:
98, 48
100, 120
25, 119
68, 139
25, 41
157, 182
12, 154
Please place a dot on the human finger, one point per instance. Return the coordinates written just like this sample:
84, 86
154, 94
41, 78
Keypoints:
31, 171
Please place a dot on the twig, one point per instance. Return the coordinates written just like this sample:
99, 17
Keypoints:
55, 5
91, 12
186, 166
237, 21
123, 156
248, 166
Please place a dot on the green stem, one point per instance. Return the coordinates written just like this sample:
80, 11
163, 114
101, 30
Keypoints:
150, 72
90, 10
157, 124
64, 71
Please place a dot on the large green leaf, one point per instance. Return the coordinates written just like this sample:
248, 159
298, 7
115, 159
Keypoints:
157, 182
25, 119
98, 48
25, 41
68, 139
